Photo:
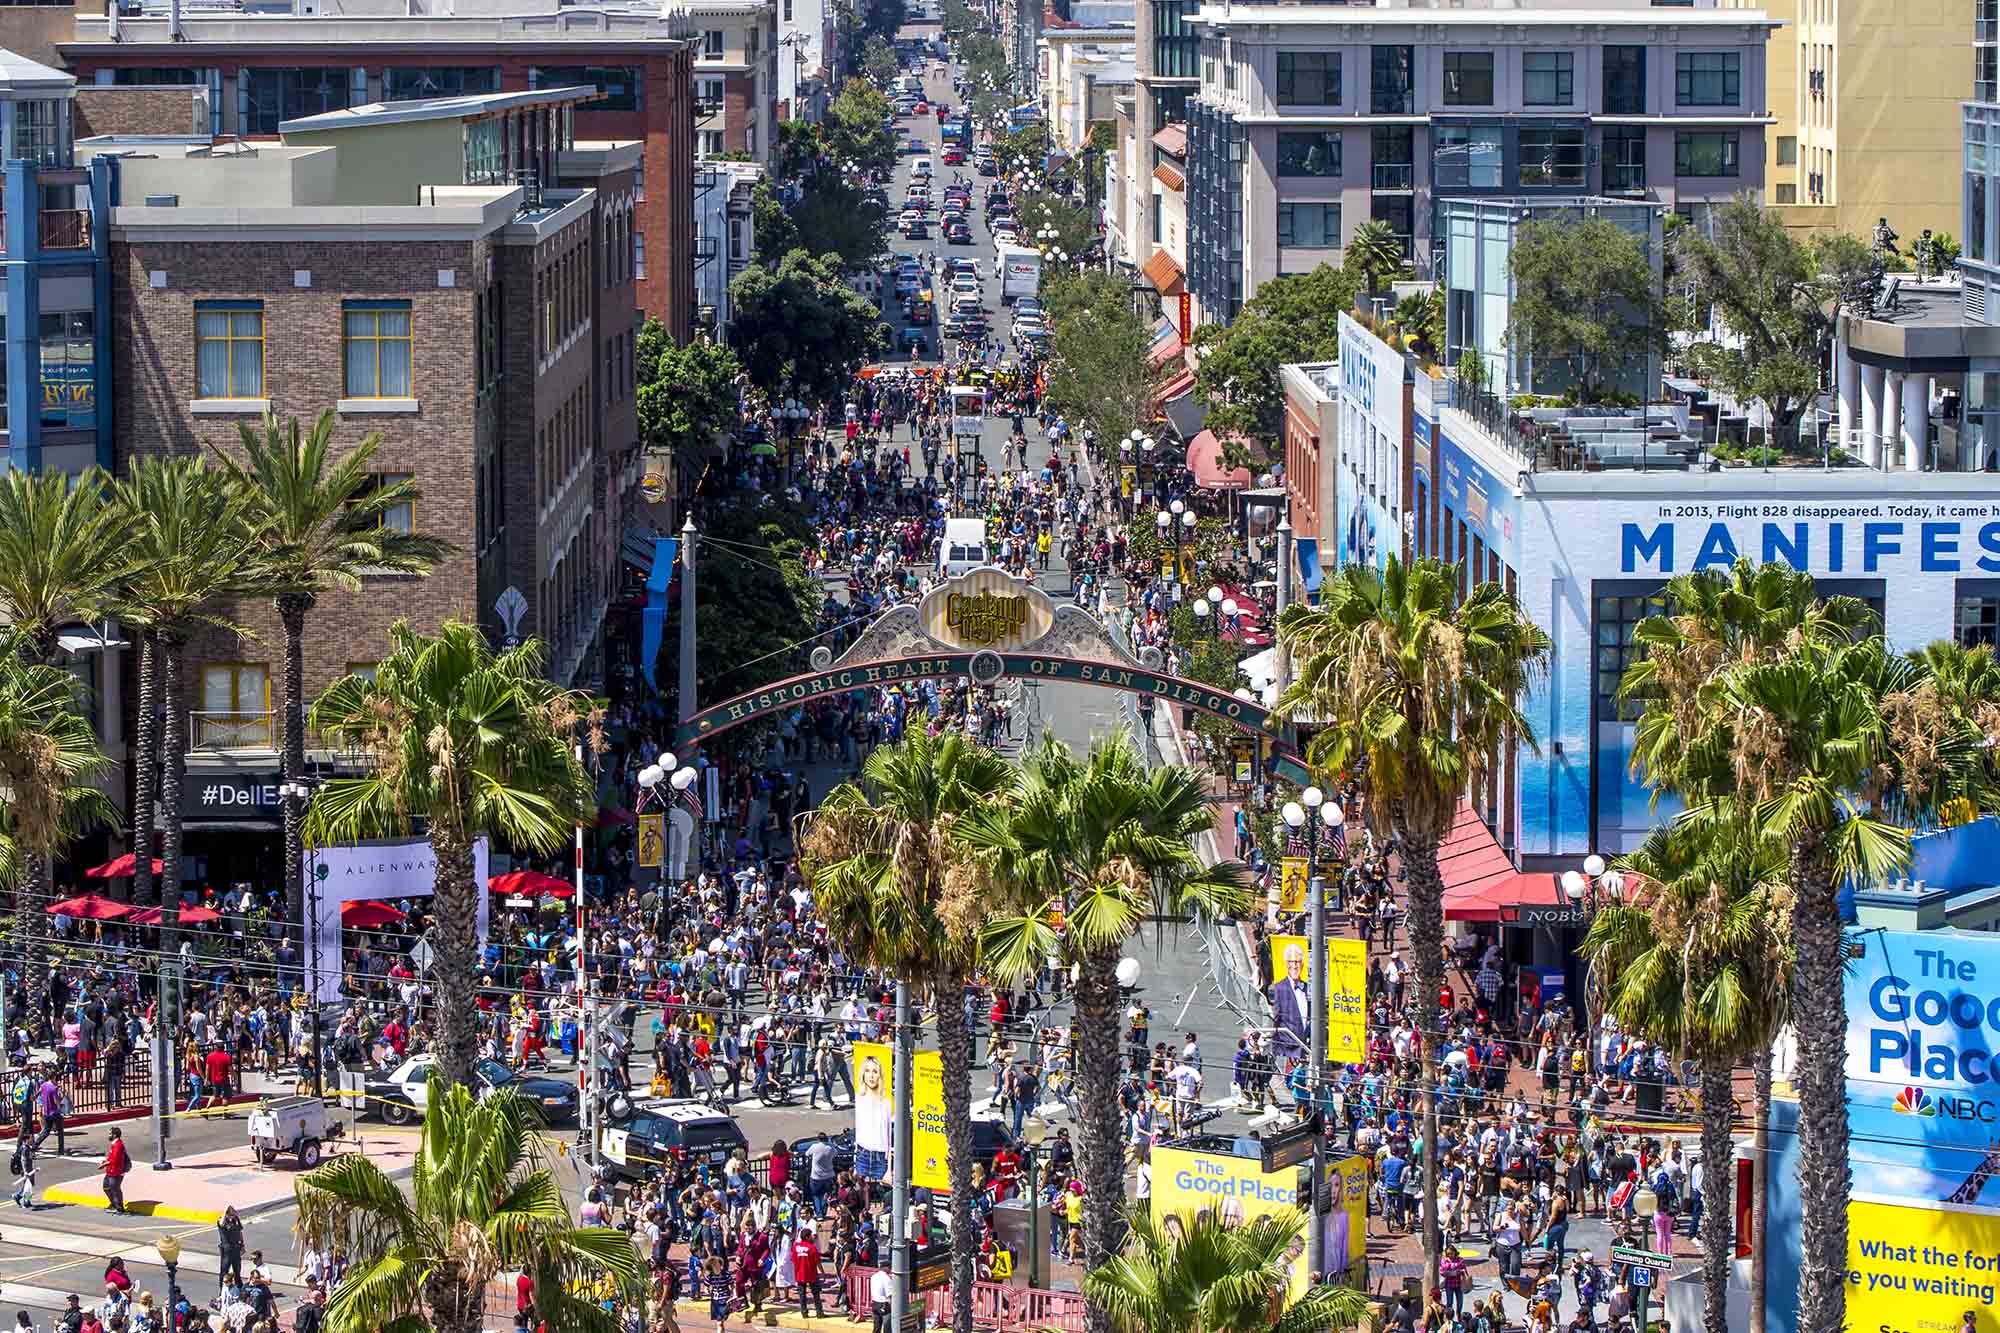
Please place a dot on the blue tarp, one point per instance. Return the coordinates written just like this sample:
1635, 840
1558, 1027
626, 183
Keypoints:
653, 622
1309, 570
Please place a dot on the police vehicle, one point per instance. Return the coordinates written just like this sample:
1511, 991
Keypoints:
651, 1135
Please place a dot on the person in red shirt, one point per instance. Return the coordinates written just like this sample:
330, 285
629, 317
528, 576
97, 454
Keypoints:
117, 1162
216, 1070
805, 1266
524, 1296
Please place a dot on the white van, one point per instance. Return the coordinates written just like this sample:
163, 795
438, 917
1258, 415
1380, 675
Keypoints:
963, 547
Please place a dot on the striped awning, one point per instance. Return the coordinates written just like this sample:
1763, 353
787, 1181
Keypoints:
1164, 274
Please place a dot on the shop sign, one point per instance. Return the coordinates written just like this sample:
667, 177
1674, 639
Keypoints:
234, 795
1553, 916
986, 608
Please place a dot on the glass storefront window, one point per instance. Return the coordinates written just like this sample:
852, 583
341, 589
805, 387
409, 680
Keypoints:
69, 369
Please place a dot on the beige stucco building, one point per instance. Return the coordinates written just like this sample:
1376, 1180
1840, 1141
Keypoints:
1866, 94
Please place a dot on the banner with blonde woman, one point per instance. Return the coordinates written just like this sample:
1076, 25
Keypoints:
875, 1115
1346, 996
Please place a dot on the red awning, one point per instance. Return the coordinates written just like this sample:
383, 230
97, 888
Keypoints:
1164, 273
1480, 883
1175, 387
1204, 459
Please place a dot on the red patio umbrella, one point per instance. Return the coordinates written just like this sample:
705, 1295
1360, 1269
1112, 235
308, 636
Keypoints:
362, 915
91, 907
190, 916
531, 884
121, 868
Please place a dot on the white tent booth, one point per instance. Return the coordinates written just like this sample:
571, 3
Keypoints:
366, 871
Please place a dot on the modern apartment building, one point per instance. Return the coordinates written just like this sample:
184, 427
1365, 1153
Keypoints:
1311, 119
1856, 138
736, 76
1979, 260
401, 265
261, 70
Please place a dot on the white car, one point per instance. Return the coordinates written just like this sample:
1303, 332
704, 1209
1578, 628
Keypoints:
400, 1095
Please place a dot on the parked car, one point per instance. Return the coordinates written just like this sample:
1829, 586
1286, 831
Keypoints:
398, 1094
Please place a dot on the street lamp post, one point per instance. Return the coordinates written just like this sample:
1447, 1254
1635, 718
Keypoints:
1215, 606
302, 792
1310, 811
1590, 888
1033, 1131
169, 1248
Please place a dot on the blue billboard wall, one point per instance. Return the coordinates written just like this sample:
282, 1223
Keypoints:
1485, 503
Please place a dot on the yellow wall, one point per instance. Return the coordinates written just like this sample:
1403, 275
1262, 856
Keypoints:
389, 164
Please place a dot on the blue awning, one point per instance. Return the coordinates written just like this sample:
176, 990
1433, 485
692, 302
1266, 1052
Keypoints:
1309, 571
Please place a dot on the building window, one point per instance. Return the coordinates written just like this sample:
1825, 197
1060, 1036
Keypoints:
1392, 83
1624, 158
638, 255
376, 338
1467, 157
1308, 78
270, 97
711, 44
1310, 225
1975, 215
235, 707
1308, 153
411, 83
1708, 78
1625, 80
229, 349
1617, 648
1978, 619
38, 132
1787, 193
1552, 157
1468, 78
709, 143
620, 84
69, 368
1548, 78
1159, 223
400, 516
155, 76
485, 152
708, 96
1788, 150
1705, 153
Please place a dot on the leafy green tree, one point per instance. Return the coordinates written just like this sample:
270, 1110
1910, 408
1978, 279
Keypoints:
1293, 318
483, 1199
473, 744
879, 63
1780, 297
1212, 1276
49, 759
687, 395
1102, 370
1374, 254
959, 20
899, 892
800, 329
1584, 299
1074, 226
1696, 957
757, 602
1111, 844
855, 135
316, 525
883, 18
985, 60
1422, 685
1025, 148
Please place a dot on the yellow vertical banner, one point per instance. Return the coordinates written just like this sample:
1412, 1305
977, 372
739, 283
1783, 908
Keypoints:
1292, 878
1346, 993
652, 840
875, 1115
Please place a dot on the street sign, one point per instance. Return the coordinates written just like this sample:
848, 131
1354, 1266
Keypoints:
1286, 1147
1626, 1254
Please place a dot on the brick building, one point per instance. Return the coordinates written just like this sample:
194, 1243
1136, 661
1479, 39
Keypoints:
486, 329
256, 71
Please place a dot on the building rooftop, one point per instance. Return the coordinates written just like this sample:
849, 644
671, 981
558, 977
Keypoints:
20, 74
1477, 14
436, 108
413, 25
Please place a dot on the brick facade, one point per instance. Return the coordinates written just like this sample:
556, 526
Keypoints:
109, 110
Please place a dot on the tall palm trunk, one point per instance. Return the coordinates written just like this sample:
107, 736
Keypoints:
173, 767
455, 1304
145, 768
1760, 1191
955, 1063
453, 1036
1426, 929
1100, 1146
1823, 1174
1718, 1178
292, 608
31, 892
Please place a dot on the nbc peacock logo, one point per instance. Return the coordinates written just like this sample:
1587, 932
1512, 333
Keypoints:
1915, 1101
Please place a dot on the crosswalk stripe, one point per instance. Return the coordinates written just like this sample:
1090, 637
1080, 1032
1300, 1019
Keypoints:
86, 1245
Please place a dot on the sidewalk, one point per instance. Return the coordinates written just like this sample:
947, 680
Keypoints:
199, 1187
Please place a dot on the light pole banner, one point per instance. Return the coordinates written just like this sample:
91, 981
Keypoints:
1187, 1184
1346, 994
369, 872
875, 1115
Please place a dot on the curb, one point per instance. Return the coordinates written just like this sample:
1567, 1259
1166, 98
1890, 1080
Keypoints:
136, 1207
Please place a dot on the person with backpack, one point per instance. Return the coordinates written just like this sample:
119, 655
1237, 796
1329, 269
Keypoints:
117, 1163
22, 1165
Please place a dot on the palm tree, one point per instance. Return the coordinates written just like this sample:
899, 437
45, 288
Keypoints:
1374, 253
187, 543
900, 893
1420, 686
1838, 751
1111, 845
49, 756
1217, 1277
475, 744
1696, 957
316, 524
482, 1200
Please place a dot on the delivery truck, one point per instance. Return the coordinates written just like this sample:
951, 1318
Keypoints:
1020, 273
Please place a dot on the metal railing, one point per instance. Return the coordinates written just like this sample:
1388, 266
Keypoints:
65, 228
1499, 421
1623, 178
107, 1085
1394, 175
209, 730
